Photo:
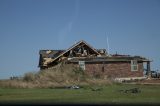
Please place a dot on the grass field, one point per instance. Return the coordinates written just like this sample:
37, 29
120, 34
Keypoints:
150, 94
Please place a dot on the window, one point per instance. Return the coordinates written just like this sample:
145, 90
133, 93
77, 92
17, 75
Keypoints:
82, 64
134, 65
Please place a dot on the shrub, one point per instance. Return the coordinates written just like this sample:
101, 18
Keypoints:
29, 76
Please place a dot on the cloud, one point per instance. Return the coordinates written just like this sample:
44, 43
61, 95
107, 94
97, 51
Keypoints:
64, 32
77, 7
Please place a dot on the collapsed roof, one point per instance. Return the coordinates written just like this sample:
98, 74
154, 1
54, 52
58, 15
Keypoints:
80, 51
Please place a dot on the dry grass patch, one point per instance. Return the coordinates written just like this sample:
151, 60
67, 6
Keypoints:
59, 76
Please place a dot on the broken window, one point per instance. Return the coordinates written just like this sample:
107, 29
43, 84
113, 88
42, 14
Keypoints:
82, 64
134, 65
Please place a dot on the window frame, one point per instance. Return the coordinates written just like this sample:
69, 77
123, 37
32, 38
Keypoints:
134, 65
82, 65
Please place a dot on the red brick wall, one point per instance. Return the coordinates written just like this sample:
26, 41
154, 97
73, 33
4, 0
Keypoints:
114, 69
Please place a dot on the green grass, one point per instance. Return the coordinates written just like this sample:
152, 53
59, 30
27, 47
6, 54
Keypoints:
150, 94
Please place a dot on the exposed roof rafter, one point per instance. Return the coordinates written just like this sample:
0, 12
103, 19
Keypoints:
73, 46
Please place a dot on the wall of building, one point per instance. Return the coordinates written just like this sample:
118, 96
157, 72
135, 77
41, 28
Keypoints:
114, 70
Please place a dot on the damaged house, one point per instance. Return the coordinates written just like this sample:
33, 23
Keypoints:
94, 61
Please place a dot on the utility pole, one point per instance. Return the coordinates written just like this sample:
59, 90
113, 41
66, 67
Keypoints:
107, 45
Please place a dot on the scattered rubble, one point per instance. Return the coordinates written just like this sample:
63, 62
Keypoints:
73, 87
